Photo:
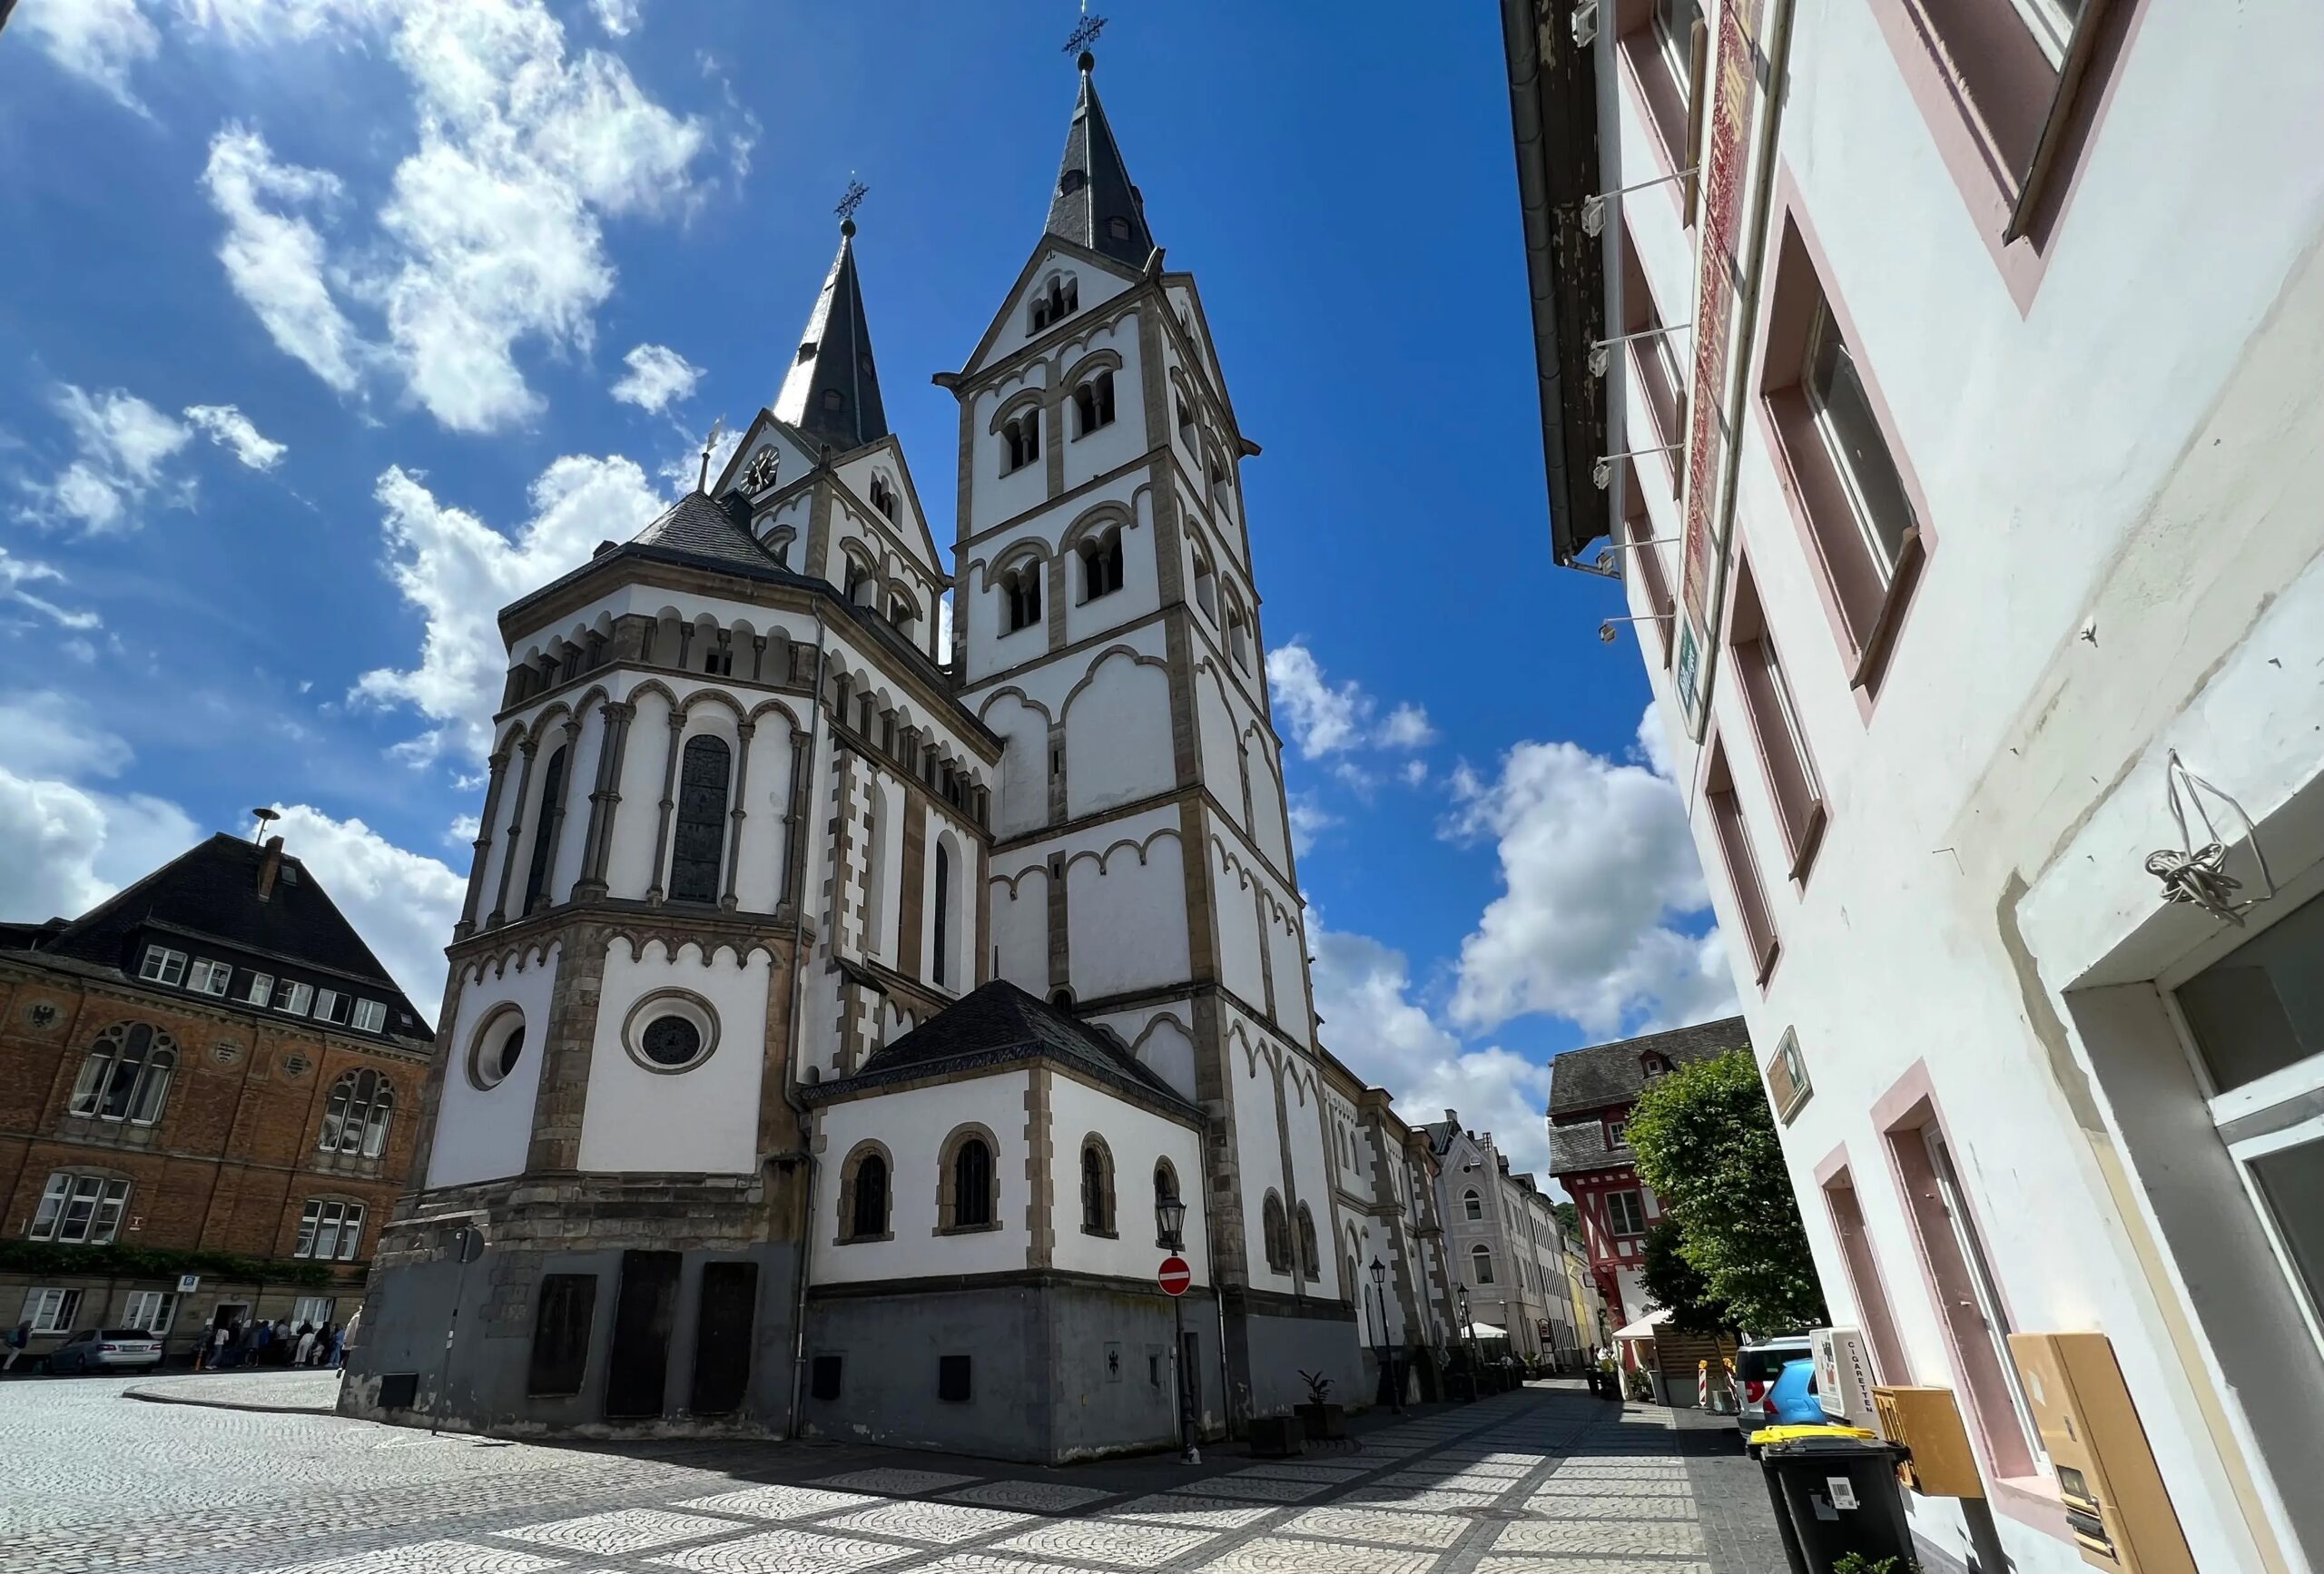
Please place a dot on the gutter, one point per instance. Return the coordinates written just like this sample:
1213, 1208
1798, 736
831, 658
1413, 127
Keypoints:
1553, 119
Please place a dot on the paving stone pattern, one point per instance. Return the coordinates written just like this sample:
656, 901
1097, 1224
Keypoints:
1543, 1481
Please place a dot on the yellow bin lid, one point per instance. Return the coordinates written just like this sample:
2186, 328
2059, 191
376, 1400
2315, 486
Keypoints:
1776, 1434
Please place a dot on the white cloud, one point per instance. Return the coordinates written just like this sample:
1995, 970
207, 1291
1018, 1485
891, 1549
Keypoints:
1596, 858
17, 572
274, 256
657, 376
403, 904
1407, 727
98, 41
1309, 820
65, 846
1328, 718
489, 237
120, 445
617, 17
229, 428
1364, 992
457, 571
1415, 772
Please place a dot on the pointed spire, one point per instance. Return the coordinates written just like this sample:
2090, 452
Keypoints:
832, 390
1096, 205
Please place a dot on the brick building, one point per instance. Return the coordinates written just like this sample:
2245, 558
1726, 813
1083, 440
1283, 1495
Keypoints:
208, 1074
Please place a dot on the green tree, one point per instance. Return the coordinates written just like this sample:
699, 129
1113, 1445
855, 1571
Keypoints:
1706, 1143
1674, 1285
1571, 1219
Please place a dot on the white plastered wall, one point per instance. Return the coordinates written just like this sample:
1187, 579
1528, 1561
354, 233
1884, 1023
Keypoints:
1136, 1138
484, 1133
703, 1119
911, 1126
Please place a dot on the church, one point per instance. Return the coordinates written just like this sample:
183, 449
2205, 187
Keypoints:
837, 1018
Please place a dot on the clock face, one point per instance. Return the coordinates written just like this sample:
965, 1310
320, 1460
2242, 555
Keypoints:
759, 473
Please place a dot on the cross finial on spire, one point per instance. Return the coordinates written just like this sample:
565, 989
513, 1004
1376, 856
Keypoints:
717, 430
1085, 34
853, 199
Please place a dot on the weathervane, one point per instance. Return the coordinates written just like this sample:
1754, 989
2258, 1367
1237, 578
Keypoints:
856, 191
717, 430
1086, 32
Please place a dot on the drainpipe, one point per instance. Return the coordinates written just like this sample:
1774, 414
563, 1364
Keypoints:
791, 1057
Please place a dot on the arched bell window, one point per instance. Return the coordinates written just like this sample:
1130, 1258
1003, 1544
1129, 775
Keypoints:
1020, 439
1093, 404
697, 839
1101, 563
549, 820
1020, 590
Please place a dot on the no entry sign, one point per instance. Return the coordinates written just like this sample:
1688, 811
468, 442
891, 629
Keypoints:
1175, 1276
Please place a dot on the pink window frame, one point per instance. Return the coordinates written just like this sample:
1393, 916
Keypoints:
1736, 857
1809, 485
2025, 1495
1804, 841
1661, 98
1637, 531
1866, 1280
1968, 142
1665, 401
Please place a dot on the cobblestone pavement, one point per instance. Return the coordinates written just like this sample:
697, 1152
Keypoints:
315, 1391
1543, 1481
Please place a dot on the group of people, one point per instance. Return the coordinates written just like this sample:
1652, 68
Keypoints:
272, 1343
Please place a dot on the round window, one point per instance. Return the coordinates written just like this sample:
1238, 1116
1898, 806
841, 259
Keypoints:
499, 1046
671, 1041
671, 1030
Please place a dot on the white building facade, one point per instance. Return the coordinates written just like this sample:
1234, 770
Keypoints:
1954, 395
1507, 1246
833, 1013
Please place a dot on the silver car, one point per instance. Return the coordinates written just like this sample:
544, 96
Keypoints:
1756, 1366
107, 1350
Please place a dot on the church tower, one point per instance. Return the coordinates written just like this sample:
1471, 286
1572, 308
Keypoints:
1106, 630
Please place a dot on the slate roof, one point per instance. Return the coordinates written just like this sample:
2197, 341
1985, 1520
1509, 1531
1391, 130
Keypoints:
698, 528
1093, 185
211, 892
997, 1025
834, 356
1607, 1074
1582, 1145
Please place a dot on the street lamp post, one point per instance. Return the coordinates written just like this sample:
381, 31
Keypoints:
1170, 1224
1469, 1337
1387, 1349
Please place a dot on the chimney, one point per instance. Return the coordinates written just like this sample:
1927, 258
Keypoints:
270, 867
1451, 1117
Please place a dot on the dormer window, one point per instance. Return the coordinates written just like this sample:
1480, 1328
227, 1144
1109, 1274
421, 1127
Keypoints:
1020, 438
1021, 588
1117, 227
833, 399
807, 351
1093, 404
1072, 181
1654, 1064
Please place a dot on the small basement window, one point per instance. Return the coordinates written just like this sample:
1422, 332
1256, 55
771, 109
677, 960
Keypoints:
952, 1385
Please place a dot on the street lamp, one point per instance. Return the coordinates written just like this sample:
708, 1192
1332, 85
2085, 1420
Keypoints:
1170, 1231
1388, 1351
1469, 1337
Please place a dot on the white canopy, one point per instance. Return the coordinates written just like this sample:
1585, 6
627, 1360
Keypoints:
1644, 1327
1486, 1331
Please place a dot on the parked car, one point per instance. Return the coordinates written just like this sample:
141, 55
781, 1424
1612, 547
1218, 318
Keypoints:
1792, 1399
1756, 1366
107, 1350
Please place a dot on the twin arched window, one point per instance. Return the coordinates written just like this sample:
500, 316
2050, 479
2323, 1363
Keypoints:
1101, 563
1020, 590
1473, 1205
883, 496
1020, 439
126, 1076
1060, 300
1093, 404
863, 1195
1238, 634
355, 1119
1096, 1188
1274, 1230
696, 840
1480, 1264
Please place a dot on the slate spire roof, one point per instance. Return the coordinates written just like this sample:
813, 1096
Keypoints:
699, 527
1096, 205
832, 389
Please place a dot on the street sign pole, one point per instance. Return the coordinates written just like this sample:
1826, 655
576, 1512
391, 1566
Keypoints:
1175, 1276
468, 1245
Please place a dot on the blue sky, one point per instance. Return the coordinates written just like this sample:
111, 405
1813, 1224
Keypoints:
327, 325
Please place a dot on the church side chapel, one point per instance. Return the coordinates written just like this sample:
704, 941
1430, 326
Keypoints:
836, 1019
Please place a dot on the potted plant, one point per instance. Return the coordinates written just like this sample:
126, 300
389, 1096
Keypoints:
1277, 1436
1319, 1418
